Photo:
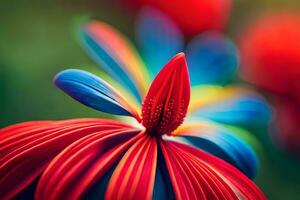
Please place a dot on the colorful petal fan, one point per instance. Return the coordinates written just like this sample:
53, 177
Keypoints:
212, 58
68, 159
156, 156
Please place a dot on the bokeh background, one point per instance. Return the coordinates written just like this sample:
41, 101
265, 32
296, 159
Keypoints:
38, 39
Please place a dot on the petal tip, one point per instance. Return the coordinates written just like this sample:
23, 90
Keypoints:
180, 57
62, 74
179, 63
180, 60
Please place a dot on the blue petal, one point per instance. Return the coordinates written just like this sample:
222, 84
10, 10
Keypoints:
91, 91
158, 38
98, 189
162, 185
212, 59
104, 58
241, 110
228, 147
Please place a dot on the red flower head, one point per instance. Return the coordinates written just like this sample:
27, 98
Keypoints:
270, 51
155, 155
96, 158
193, 16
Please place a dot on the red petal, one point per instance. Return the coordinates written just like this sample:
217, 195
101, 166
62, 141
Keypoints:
166, 103
21, 127
83, 163
135, 174
196, 174
27, 148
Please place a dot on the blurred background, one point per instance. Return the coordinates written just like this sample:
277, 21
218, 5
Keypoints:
38, 39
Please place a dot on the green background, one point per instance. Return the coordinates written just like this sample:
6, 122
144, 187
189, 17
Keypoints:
38, 39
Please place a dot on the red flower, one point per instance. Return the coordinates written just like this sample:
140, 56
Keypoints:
75, 159
270, 51
286, 125
193, 16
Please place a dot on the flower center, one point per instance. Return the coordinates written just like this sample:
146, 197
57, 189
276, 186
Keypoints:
166, 103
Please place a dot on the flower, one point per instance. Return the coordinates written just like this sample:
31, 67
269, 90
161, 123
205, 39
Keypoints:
266, 52
69, 157
212, 59
285, 132
157, 157
270, 51
190, 16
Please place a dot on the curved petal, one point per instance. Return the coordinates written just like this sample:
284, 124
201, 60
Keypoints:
196, 174
229, 105
28, 148
221, 142
212, 59
94, 92
135, 174
121, 90
167, 100
114, 53
73, 172
158, 38
22, 127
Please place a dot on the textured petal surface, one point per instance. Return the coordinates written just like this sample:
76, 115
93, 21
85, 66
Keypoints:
114, 53
158, 38
196, 174
92, 91
212, 59
73, 172
166, 103
229, 105
134, 176
221, 142
27, 148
